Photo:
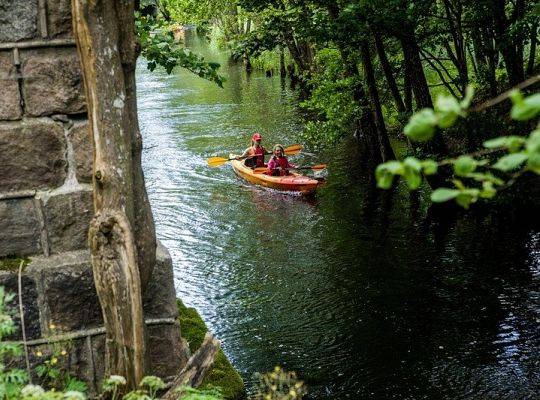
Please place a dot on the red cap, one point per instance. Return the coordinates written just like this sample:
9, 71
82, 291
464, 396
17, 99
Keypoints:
256, 136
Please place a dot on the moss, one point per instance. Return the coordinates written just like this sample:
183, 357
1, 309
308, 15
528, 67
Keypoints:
223, 374
11, 263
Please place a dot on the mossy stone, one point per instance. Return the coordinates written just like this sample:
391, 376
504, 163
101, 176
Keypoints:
12, 263
223, 374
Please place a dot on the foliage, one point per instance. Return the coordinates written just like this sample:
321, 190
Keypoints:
159, 48
53, 371
279, 385
331, 101
478, 175
11, 380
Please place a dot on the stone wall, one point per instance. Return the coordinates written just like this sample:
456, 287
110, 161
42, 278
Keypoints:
46, 192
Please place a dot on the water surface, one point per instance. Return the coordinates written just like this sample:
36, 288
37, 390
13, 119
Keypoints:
363, 293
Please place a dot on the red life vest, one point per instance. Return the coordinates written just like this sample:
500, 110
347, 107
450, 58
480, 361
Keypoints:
259, 152
283, 164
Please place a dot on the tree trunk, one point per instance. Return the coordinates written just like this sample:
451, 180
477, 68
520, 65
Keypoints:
282, 69
197, 367
513, 60
384, 144
407, 90
414, 69
121, 236
388, 73
532, 51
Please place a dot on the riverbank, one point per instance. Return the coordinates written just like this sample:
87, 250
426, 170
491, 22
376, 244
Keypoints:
223, 374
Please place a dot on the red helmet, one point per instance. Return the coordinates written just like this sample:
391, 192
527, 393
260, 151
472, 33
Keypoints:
256, 136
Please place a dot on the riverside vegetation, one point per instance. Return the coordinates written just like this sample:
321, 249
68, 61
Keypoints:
51, 379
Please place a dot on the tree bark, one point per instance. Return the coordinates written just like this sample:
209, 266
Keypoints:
513, 58
388, 73
415, 69
196, 368
532, 51
384, 144
121, 237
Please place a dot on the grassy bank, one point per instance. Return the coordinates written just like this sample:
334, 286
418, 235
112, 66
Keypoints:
223, 374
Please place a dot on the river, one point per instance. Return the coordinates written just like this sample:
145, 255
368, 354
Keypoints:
361, 292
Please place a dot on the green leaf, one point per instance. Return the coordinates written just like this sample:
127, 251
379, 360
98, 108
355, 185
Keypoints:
441, 195
527, 108
534, 163
513, 143
411, 172
384, 177
488, 191
429, 167
469, 94
421, 126
448, 109
510, 161
464, 165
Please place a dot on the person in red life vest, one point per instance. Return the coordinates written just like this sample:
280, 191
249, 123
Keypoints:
278, 165
256, 151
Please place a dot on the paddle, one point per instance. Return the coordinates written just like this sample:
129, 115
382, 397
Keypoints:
218, 161
318, 167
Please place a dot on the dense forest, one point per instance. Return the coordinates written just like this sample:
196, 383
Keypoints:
364, 67
368, 63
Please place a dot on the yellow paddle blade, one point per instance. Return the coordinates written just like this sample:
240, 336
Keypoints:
216, 161
318, 167
293, 149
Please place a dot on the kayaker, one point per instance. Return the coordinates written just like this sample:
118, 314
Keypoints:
278, 165
256, 150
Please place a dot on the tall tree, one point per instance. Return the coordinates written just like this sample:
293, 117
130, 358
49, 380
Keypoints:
121, 236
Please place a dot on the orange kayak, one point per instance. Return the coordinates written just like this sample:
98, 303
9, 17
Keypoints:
290, 183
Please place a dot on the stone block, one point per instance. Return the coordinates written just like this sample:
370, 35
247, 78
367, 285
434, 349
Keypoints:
59, 18
32, 155
20, 233
159, 300
68, 291
52, 82
18, 20
9, 280
83, 152
10, 100
165, 350
67, 217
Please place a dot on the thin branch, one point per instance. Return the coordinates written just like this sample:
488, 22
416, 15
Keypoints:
23, 327
505, 95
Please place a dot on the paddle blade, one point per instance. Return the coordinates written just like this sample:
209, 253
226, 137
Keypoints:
318, 167
216, 161
293, 149
260, 170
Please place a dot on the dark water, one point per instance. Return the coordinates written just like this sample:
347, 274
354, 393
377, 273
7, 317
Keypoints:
363, 293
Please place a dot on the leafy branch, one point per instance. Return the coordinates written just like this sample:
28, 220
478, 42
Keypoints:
160, 48
474, 175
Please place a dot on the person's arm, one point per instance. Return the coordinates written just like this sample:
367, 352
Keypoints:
289, 165
245, 153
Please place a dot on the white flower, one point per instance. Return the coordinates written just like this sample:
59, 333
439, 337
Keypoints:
116, 380
32, 391
74, 395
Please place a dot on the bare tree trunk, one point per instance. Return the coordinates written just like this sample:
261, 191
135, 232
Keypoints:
197, 367
388, 73
414, 68
532, 51
387, 153
121, 236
